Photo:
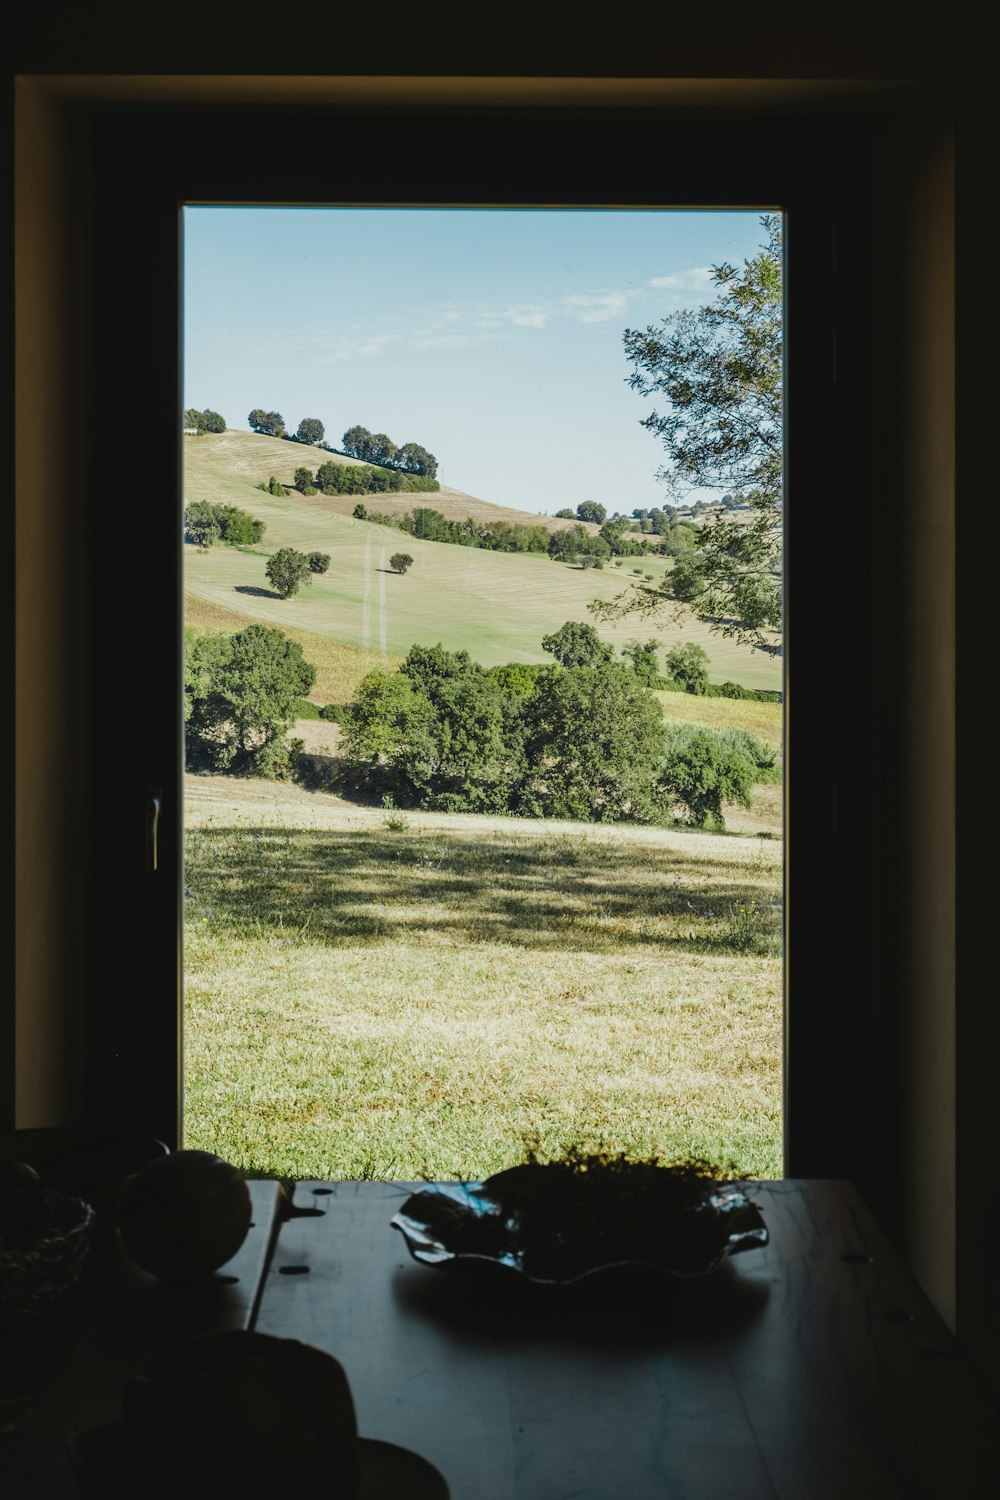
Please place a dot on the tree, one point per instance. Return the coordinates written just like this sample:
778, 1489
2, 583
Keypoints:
382, 449
357, 442
701, 769
360, 512
718, 367
303, 478
591, 510
400, 561
318, 562
310, 430
566, 515
202, 524
688, 665
204, 421
686, 579
593, 746
206, 523
439, 733
645, 664
416, 460
577, 645
241, 693
270, 423
287, 570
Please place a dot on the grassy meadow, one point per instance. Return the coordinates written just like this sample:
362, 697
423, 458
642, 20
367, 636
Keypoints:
495, 605
370, 994
377, 994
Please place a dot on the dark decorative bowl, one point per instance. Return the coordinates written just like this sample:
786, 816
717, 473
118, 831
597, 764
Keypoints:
560, 1241
44, 1239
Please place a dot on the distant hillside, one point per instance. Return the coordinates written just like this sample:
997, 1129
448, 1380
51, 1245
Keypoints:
496, 605
248, 455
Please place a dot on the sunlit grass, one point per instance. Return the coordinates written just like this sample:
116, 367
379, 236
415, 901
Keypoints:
367, 1002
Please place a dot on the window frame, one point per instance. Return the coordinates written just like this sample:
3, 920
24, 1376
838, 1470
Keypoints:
152, 161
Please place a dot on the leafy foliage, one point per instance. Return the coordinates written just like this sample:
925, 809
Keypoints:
688, 665
577, 645
591, 510
378, 448
702, 768
645, 663
273, 487
400, 561
433, 734
718, 367
241, 694
270, 423
318, 562
357, 479
310, 430
287, 570
574, 543
204, 421
593, 738
206, 523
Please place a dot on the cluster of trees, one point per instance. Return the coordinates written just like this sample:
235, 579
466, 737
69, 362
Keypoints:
204, 421
206, 523
430, 525
273, 487
241, 693
718, 369
272, 424
587, 510
377, 448
288, 569
358, 479
575, 544
371, 447
583, 739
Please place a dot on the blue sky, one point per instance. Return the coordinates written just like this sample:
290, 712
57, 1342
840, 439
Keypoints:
492, 337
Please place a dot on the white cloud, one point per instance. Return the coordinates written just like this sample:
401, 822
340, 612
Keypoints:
698, 279
595, 307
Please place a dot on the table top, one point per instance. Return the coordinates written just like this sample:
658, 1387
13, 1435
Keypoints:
814, 1367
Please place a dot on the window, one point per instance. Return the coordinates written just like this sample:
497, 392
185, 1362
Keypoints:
164, 161
425, 991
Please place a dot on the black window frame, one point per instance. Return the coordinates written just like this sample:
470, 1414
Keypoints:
151, 162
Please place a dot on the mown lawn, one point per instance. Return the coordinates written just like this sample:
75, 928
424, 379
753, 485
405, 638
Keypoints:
373, 995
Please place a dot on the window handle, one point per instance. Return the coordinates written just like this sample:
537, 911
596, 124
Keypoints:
154, 803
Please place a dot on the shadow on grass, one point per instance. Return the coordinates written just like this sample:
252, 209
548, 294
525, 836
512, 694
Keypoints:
249, 588
550, 892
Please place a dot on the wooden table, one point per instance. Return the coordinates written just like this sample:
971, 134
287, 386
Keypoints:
63, 1373
814, 1369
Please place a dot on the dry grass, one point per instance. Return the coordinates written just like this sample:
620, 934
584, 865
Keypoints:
339, 666
413, 1000
498, 606
761, 718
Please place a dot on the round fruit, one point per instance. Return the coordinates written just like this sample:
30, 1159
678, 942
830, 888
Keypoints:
185, 1214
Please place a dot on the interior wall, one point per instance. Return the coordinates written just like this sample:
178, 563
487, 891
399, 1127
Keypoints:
914, 842
53, 521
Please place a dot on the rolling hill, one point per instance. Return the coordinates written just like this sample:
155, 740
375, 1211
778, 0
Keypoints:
495, 605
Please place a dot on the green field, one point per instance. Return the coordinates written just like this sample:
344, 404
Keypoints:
373, 1001
373, 994
495, 605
